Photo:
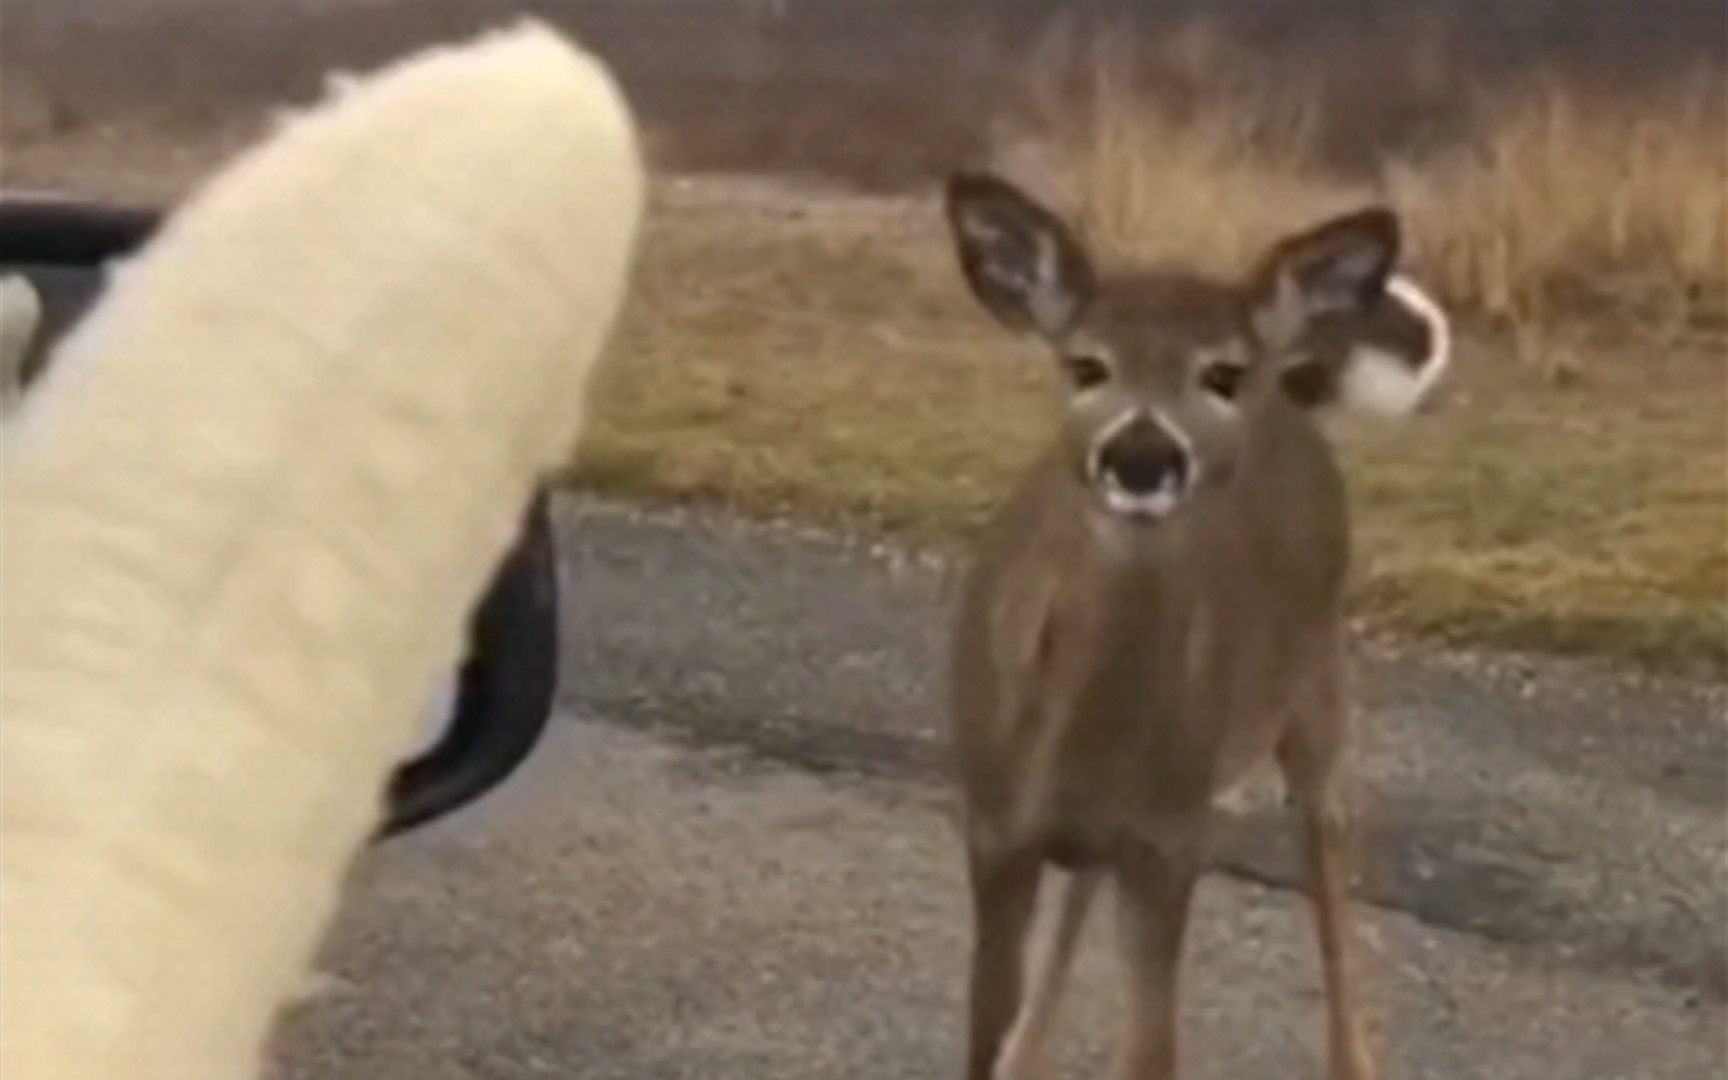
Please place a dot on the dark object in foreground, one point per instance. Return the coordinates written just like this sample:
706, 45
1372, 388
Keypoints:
60, 245
504, 687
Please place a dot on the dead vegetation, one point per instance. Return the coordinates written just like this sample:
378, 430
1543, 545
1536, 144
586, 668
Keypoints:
1556, 203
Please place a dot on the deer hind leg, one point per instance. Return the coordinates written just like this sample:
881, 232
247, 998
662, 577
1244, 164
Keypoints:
1311, 760
1155, 890
1004, 900
1025, 1053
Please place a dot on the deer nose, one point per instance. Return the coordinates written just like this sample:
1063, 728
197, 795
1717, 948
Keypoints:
1143, 457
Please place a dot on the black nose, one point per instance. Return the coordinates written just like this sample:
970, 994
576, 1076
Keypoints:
1144, 457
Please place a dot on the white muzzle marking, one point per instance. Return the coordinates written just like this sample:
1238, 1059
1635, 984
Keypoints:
1171, 489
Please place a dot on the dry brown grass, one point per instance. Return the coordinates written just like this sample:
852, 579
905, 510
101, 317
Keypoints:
1560, 206
1570, 201
1204, 181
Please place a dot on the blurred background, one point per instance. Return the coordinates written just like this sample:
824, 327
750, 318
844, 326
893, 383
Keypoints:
799, 343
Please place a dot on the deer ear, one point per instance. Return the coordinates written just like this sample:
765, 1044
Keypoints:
1338, 268
1021, 262
1348, 329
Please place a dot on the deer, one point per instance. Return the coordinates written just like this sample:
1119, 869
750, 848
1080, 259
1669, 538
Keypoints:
1156, 610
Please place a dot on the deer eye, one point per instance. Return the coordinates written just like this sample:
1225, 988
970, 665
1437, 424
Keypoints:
1223, 378
1085, 372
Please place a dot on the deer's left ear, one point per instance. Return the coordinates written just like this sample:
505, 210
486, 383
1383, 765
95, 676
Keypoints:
1338, 268
1348, 329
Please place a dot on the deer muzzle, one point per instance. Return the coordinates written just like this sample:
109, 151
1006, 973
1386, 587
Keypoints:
1143, 467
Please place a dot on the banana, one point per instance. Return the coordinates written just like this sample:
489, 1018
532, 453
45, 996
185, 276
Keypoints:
247, 508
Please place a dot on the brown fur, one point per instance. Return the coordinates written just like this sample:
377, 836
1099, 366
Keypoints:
1111, 677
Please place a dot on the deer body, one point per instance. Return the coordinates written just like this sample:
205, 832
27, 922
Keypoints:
1138, 672
1158, 607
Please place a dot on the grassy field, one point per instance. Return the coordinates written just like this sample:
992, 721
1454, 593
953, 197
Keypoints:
826, 363
794, 350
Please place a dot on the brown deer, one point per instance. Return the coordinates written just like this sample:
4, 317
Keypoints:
1158, 606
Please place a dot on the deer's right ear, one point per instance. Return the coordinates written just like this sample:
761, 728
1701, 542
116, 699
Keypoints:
1020, 260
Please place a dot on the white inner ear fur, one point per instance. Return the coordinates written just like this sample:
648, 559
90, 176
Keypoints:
1378, 382
1051, 306
1038, 285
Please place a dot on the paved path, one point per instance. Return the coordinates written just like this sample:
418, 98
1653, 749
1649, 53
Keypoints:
733, 858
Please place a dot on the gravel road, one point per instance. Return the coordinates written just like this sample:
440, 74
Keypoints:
734, 857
